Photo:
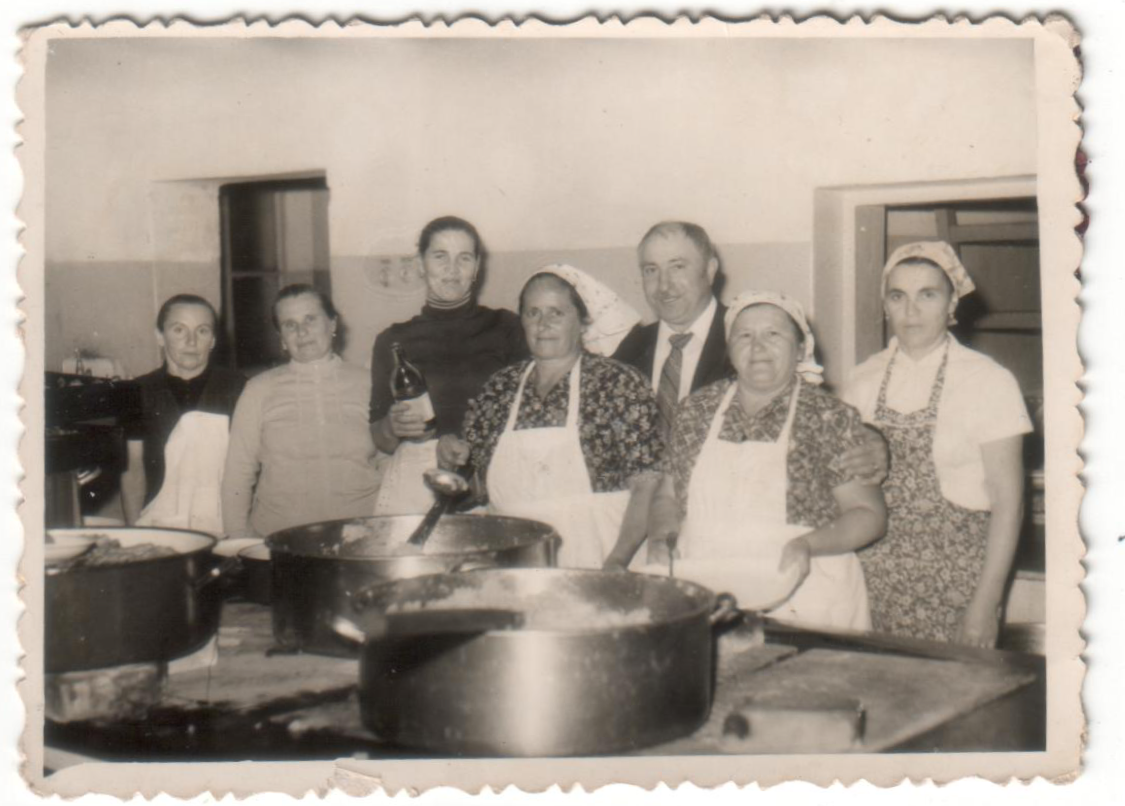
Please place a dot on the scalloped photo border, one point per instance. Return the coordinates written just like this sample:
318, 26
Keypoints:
1060, 192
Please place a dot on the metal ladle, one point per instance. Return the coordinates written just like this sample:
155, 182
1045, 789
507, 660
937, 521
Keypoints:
448, 486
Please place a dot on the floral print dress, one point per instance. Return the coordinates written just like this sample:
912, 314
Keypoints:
618, 430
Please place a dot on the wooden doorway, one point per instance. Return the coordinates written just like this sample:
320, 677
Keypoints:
274, 233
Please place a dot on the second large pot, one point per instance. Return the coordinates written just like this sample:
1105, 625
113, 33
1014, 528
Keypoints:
597, 680
133, 612
317, 569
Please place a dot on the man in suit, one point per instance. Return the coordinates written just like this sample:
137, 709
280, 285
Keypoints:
685, 348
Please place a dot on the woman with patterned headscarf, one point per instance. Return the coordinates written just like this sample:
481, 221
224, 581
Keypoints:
754, 490
570, 437
954, 419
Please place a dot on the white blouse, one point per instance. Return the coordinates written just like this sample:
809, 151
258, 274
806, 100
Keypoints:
980, 403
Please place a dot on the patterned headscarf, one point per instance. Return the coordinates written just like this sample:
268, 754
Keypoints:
939, 253
807, 367
611, 317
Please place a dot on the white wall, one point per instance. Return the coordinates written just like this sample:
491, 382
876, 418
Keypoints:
548, 146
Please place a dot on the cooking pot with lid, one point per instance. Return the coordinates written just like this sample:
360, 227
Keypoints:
317, 569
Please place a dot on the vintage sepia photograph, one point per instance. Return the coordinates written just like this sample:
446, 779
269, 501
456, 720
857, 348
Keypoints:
555, 402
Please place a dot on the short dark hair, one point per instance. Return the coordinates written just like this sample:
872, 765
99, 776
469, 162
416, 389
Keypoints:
300, 290
449, 222
184, 299
693, 232
575, 297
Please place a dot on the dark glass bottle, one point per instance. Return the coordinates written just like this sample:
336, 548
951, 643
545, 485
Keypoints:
408, 385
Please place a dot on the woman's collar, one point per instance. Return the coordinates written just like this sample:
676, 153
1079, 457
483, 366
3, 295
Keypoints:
781, 397
314, 367
467, 306
929, 359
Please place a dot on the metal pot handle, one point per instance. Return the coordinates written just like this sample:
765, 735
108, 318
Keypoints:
362, 599
472, 564
225, 569
554, 543
725, 610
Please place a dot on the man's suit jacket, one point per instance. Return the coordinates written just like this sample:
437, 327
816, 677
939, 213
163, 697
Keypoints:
638, 349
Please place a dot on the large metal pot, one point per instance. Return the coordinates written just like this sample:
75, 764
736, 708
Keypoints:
318, 568
135, 612
587, 687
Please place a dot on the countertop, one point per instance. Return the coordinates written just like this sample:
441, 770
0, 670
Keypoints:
910, 696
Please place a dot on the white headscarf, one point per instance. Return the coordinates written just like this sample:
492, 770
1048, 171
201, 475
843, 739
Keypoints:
807, 367
939, 253
611, 318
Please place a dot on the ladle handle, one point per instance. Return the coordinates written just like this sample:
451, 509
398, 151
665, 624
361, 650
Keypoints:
670, 541
422, 533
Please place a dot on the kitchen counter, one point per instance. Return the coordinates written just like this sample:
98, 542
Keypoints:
883, 694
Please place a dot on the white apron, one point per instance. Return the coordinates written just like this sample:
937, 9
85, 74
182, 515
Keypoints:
540, 473
402, 490
736, 528
194, 457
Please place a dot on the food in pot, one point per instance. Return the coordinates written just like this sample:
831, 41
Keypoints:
547, 609
361, 539
108, 551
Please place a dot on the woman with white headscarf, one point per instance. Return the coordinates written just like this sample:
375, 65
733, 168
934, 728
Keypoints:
753, 486
569, 437
954, 420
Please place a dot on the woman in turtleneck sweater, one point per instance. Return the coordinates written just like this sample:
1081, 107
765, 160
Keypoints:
456, 343
300, 450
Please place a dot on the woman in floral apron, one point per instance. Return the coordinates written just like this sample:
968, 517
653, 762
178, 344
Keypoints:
954, 420
571, 437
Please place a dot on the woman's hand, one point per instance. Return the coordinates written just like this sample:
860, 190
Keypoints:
406, 422
867, 463
1003, 471
980, 626
615, 564
797, 552
452, 452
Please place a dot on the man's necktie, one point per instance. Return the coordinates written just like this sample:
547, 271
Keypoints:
668, 390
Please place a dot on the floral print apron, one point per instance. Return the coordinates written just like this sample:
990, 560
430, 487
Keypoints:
922, 575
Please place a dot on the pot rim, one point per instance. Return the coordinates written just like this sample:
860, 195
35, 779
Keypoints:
246, 555
518, 542
701, 610
110, 530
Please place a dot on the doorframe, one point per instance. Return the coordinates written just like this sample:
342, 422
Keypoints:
317, 180
847, 267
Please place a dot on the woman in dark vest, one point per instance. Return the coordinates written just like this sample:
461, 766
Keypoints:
455, 342
186, 383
